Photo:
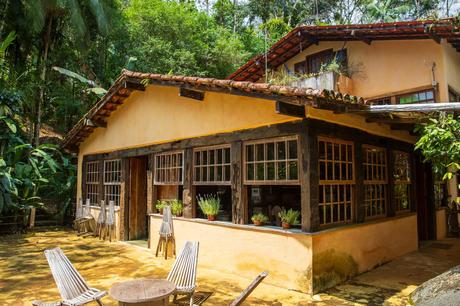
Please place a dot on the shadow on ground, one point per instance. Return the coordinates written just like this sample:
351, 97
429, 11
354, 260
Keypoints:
25, 275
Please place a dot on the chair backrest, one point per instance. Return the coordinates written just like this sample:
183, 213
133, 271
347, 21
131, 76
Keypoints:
111, 213
166, 227
79, 209
69, 282
102, 214
87, 209
183, 272
246, 292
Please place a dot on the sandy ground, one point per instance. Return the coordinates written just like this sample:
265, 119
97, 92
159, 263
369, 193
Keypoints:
25, 275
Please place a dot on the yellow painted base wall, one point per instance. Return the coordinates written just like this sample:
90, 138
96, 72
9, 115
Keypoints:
246, 252
298, 261
441, 224
95, 212
343, 252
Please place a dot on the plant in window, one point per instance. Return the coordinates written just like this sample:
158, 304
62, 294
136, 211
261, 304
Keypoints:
289, 217
259, 219
160, 205
176, 207
209, 205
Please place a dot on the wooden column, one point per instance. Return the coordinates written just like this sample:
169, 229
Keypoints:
239, 200
188, 193
309, 179
391, 205
124, 199
359, 179
150, 189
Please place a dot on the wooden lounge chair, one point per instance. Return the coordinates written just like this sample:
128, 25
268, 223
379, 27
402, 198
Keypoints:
183, 272
243, 296
101, 219
71, 285
166, 233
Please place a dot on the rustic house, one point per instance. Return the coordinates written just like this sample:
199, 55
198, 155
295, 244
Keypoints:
335, 143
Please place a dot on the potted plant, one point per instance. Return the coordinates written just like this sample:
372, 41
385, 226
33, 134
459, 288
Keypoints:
289, 217
259, 219
209, 205
176, 207
160, 205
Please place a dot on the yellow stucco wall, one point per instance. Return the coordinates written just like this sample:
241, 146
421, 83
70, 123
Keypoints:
340, 253
246, 251
452, 64
336, 253
441, 223
386, 66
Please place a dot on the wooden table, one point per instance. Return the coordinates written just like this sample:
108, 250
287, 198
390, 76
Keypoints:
143, 292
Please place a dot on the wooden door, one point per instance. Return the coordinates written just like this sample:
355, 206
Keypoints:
424, 200
137, 220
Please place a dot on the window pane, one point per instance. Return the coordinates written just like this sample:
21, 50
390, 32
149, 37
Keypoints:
260, 152
270, 151
293, 149
260, 171
281, 150
270, 171
293, 170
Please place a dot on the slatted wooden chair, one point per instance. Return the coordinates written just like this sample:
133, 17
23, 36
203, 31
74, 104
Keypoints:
244, 295
183, 272
101, 220
166, 233
78, 214
110, 221
71, 285
84, 223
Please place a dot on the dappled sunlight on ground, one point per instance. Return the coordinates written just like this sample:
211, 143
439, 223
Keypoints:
25, 275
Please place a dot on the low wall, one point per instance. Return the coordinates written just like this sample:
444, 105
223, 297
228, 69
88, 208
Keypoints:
246, 250
441, 223
95, 210
308, 262
341, 253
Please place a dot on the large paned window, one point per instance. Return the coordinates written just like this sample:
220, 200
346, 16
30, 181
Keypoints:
92, 182
375, 181
271, 161
211, 165
402, 180
112, 180
336, 181
169, 168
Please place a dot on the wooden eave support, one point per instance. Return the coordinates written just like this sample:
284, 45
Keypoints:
290, 109
134, 85
95, 123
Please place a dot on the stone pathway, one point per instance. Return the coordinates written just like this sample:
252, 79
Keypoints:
25, 276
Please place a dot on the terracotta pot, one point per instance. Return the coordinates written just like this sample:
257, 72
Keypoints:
258, 223
285, 225
211, 218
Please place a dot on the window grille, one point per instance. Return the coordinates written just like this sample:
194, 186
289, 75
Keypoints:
169, 168
211, 165
112, 180
336, 181
375, 181
271, 161
402, 180
92, 182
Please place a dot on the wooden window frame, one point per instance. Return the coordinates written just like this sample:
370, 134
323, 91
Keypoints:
93, 185
180, 181
321, 54
433, 100
330, 184
112, 185
223, 165
383, 183
276, 181
398, 182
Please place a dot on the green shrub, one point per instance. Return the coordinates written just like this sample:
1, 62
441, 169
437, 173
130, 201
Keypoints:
175, 204
209, 204
289, 216
260, 217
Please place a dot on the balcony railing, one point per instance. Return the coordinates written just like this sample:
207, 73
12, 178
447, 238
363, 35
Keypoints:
327, 80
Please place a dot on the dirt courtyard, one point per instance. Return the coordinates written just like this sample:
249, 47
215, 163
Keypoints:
25, 275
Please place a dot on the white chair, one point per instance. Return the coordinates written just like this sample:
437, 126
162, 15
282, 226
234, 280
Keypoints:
183, 272
83, 224
110, 221
246, 292
166, 233
101, 220
72, 287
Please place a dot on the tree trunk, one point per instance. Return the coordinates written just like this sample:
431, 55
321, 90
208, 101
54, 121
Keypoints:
41, 93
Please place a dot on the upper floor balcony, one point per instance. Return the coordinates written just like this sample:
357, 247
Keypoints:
329, 80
